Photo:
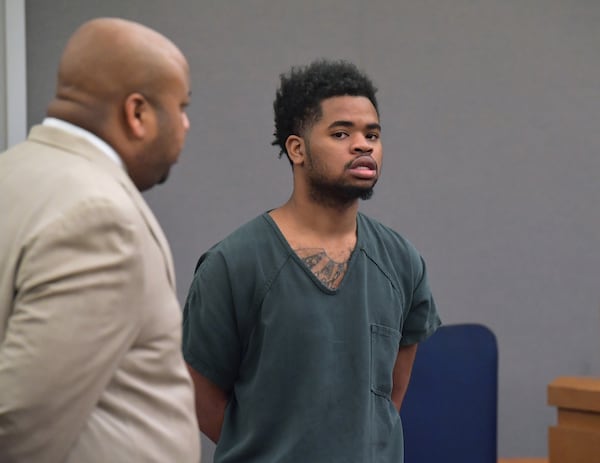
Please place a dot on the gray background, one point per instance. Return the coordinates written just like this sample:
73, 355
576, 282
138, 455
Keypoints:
3, 130
491, 130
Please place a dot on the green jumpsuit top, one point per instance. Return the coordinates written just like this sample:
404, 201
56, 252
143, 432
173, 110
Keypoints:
309, 369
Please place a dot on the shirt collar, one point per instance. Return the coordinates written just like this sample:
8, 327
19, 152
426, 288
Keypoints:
89, 136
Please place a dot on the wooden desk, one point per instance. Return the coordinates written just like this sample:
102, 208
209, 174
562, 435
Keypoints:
576, 437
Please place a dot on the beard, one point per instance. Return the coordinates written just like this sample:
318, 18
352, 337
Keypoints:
334, 192
337, 193
164, 178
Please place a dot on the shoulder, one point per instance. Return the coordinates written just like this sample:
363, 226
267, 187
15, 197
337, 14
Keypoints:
257, 232
254, 250
253, 239
388, 249
56, 187
378, 238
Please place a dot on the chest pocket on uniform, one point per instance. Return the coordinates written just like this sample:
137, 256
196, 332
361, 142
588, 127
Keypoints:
385, 342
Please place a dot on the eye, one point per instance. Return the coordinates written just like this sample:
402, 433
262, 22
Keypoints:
373, 136
339, 135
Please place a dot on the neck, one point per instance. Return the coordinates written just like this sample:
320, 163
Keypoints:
315, 218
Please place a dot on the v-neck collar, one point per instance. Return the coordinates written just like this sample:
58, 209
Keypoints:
308, 271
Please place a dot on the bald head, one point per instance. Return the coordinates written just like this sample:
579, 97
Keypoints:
105, 60
127, 84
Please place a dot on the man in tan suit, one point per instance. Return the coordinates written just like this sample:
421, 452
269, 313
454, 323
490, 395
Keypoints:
90, 362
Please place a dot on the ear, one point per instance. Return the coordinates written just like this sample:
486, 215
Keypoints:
137, 114
294, 145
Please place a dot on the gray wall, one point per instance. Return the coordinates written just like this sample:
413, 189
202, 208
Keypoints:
13, 91
2, 78
491, 131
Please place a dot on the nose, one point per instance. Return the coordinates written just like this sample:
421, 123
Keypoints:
186, 121
361, 145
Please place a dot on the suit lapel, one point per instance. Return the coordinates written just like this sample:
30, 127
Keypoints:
155, 229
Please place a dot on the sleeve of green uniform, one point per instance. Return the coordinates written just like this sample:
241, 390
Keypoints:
211, 343
422, 318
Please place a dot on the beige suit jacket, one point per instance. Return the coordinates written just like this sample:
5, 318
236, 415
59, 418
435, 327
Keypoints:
90, 362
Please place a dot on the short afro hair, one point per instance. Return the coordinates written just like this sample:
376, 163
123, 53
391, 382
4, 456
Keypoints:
297, 104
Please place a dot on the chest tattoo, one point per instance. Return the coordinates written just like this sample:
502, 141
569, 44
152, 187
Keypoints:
328, 271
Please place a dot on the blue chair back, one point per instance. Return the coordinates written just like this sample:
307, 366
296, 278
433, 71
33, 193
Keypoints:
449, 413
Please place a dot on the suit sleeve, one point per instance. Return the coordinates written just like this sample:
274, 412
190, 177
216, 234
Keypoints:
75, 315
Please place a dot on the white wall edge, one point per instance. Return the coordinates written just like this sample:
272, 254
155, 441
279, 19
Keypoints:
16, 72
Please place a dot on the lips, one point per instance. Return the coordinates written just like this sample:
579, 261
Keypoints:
364, 162
363, 167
